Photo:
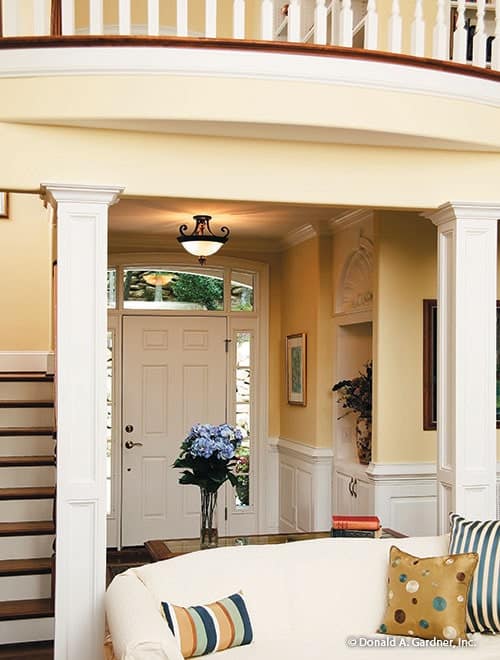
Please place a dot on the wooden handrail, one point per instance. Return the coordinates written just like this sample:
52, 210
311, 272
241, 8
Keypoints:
296, 48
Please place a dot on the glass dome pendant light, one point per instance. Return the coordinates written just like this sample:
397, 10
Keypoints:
202, 242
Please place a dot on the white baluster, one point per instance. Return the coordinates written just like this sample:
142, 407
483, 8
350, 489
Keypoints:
418, 31
96, 17
41, 13
320, 22
294, 21
153, 18
10, 18
68, 16
346, 20
182, 18
395, 28
211, 18
238, 19
266, 20
124, 17
480, 37
371, 26
333, 22
440, 34
460, 35
495, 51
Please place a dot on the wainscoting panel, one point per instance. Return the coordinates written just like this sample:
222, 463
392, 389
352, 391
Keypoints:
305, 487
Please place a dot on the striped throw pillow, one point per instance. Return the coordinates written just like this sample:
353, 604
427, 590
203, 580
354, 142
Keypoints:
203, 629
483, 537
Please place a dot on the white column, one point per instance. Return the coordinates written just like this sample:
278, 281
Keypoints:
82, 227
467, 284
182, 18
153, 18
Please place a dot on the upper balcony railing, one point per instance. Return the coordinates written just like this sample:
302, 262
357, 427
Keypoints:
457, 30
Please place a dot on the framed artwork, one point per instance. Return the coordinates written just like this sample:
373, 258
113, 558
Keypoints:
4, 205
430, 365
296, 369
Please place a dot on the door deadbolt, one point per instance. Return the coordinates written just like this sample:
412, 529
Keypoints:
129, 428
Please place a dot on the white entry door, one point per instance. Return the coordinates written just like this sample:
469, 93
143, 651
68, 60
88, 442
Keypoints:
174, 376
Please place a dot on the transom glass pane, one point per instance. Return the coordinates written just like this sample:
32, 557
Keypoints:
111, 288
191, 289
243, 419
109, 417
242, 287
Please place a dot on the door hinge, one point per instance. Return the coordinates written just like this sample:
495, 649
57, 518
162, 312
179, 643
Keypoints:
226, 343
225, 513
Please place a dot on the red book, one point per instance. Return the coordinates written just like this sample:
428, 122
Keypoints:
356, 522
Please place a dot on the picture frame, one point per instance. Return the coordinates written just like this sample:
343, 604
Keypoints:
4, 205
430, 365
296, 369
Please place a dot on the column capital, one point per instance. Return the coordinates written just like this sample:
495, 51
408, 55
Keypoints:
464, 211
55, 193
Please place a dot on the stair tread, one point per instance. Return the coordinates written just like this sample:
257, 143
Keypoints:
11, 610
26, 430
27, 528
28, 493
26, 461
9, 567
26, 403
26, 377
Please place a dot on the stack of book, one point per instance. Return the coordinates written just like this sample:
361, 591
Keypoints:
356, 526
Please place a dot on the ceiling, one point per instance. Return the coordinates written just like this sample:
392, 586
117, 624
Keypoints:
153, 223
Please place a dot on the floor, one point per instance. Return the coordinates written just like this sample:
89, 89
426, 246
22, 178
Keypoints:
117, 562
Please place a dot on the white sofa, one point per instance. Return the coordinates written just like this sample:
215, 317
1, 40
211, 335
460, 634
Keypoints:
305, 600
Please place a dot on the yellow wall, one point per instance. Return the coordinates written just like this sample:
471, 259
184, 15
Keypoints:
405, 275
306, 307
25, 273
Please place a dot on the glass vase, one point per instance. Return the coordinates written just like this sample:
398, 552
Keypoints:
208, 523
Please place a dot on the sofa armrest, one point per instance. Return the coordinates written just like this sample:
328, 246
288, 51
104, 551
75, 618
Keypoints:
138, 630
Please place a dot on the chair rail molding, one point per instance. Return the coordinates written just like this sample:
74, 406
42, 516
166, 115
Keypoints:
305, 487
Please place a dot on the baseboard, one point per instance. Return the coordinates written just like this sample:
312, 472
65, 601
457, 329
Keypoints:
26, 361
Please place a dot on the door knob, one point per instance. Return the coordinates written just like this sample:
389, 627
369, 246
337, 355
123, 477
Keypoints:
130, 445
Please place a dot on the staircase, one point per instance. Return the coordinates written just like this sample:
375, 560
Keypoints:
27, 492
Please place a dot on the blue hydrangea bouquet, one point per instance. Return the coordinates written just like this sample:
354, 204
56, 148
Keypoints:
208, 455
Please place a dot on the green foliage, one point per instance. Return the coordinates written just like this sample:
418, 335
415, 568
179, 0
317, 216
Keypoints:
356, 394
206, 291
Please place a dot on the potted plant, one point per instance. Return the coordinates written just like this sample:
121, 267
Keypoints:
209, 455
356, 397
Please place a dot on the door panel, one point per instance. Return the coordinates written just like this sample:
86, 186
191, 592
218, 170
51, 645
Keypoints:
174, 375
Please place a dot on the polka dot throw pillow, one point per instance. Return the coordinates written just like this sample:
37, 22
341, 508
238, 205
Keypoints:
427, 597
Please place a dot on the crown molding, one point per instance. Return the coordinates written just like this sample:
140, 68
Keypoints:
349, 219
297, 236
